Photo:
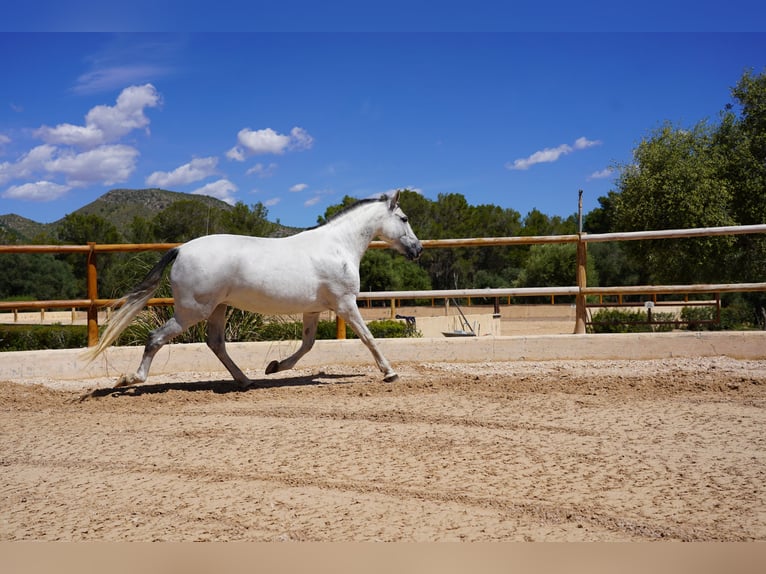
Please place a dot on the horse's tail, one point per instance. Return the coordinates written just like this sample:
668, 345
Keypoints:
132, 304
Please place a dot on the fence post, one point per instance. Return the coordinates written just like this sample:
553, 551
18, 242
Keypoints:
581, 310
92, 281
340, 327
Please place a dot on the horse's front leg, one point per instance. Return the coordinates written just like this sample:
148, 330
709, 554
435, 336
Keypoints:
349, 311
310, 322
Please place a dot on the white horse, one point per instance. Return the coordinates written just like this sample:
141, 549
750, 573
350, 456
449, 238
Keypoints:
310, 272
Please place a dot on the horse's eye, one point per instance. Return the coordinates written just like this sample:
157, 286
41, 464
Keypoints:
404, 219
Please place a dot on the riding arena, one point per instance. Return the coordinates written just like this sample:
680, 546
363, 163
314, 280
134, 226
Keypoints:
548, 436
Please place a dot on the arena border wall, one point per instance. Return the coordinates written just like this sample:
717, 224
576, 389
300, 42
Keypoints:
67, 364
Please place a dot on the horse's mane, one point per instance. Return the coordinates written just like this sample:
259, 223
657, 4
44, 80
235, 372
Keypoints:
351, 207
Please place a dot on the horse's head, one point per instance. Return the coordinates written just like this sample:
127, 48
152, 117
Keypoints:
396, 231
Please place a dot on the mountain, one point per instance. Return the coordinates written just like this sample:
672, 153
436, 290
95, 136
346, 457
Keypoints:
16, 228
118, 206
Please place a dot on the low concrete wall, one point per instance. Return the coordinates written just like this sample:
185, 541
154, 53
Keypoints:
66, 364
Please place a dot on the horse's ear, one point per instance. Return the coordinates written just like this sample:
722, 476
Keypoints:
394, 200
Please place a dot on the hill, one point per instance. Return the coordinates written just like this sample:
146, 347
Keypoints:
118, 206
16, 228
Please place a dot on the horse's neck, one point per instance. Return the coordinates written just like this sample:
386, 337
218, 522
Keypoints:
355, 230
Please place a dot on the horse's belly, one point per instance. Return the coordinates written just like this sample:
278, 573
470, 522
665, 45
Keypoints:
285, 302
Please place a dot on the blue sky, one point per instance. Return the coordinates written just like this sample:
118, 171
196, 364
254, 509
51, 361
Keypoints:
297, 120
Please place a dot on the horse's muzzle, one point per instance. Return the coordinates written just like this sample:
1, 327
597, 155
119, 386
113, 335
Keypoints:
414, 251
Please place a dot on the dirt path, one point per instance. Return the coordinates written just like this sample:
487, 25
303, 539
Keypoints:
610, 450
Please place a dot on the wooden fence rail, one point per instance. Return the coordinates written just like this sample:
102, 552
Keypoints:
92, 302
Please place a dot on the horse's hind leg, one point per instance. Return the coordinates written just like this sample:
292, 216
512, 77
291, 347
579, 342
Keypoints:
216, 340
157, 339
310, 322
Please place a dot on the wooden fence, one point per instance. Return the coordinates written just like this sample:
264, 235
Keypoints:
580, 291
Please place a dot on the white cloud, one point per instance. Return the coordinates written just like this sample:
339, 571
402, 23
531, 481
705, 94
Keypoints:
107, 79
235, 153
105, 124
223, 189
196, 170
272, 202
39, 191
298, 187
603, 174
584, 143
300, 139
268, 141
125, 59
549, 155
28, 164
261, 170
69, 134
262, 141
543, 156
83, 154
312, 201
107, 165
4, 139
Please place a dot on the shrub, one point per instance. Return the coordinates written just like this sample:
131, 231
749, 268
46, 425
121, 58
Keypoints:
390, 329
623, 321
279, 330
34, 337
697, 318
737, 314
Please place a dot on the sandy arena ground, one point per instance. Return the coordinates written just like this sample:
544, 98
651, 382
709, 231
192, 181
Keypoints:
607, 450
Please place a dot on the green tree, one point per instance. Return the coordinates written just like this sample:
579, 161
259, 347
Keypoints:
601, 219
8, 237
742, 140
710, 175
80, 229
447, 218
614, 264
184, 220
383, 270
496, 266
243, 220
140, 230
36, 276
554, 265
676, 181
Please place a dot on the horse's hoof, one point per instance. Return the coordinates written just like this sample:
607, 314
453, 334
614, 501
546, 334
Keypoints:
272, 368
124, 381
391, 378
